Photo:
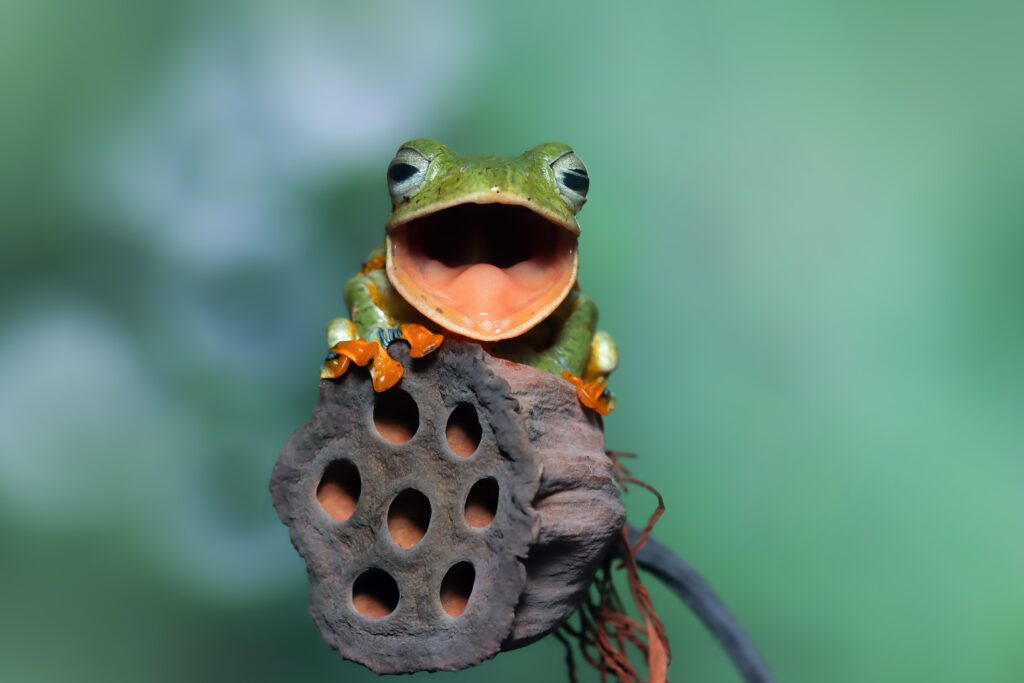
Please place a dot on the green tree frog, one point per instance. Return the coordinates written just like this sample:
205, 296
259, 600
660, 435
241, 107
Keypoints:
481, 249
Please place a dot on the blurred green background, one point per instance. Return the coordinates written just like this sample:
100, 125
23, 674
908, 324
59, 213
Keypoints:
806, 230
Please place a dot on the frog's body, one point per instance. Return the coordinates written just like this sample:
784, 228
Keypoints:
483, 249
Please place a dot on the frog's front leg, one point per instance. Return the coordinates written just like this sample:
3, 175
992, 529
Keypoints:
592, 387
338, 330
604, 357
572, 348
376, 310
586, 355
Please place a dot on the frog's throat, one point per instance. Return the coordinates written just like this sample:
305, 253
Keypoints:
486, 271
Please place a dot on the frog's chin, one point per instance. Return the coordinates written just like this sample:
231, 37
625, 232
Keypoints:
484, 271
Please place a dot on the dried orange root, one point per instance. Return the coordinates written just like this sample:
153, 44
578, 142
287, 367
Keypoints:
593, 395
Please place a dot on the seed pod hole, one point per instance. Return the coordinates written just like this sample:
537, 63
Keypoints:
482, 503
463, 430
339, 489
409, 518
375, 594
395, 415
457, 587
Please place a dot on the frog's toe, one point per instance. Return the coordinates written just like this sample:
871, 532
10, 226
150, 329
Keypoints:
421, 340
593, 395
358, 351
334, 366
604, 356
385, 371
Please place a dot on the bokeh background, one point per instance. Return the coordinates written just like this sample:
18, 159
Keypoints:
806, 230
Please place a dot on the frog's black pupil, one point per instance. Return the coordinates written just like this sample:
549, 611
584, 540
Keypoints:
576, 179
401, 171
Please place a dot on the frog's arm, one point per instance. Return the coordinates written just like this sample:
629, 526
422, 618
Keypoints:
369, 312
566, 335
571, 347
379, 316
376, 309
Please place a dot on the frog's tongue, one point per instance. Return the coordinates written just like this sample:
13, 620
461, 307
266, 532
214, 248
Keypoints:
481, 288
488, 283
485, 290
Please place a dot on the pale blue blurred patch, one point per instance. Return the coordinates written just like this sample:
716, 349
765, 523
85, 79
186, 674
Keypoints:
200, 173
254, 106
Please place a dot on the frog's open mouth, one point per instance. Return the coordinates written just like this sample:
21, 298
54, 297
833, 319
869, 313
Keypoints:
485, 271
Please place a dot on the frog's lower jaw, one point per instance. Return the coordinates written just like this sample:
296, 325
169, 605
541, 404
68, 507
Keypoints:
485, 271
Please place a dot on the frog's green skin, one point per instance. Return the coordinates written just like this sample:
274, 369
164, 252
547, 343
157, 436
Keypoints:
564, 340
453, 179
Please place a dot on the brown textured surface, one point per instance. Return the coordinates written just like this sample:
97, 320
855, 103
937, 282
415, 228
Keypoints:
467, 578
577, 504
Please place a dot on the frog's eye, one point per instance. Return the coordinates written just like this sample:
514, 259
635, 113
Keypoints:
572, 178
406, 174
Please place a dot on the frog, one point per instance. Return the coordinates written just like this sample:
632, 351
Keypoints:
481, 249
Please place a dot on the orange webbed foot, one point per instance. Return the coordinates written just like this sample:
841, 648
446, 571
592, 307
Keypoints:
593, 395
344, 353
384, 370
421, 340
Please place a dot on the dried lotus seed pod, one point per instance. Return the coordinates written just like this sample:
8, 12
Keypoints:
458, 514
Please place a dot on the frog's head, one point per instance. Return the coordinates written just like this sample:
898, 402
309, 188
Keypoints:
484, 246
